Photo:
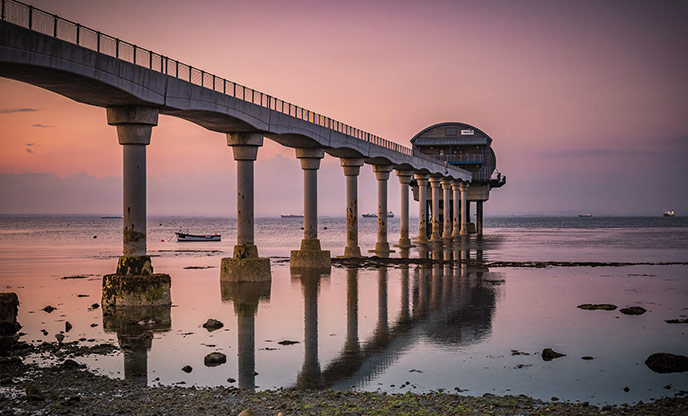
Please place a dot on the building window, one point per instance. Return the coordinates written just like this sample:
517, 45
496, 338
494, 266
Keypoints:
450, 131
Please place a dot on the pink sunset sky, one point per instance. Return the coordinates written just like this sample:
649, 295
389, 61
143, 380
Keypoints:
586, 101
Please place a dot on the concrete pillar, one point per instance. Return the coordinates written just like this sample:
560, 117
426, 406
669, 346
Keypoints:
310, 256
479, 217
446, 187
456, 232
245, 265
134, 127
464, 209
404, 180
422, 181
436, 225
382, 175
352, 167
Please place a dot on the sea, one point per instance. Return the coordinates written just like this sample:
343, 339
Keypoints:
469, 328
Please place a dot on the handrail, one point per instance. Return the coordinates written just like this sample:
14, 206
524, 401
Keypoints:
37, 20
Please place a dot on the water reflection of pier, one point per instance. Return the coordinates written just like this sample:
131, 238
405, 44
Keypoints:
449, 303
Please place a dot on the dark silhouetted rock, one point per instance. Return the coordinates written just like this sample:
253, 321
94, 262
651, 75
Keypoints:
633, 310
95, 306
597, 307
49, 309
549, 354
587, 357
677, 321
187, 369
212, 324
231, 380
626, 389
33, 394
663, 362
214, 359
59, 338
71, 364
288, 342
68, 326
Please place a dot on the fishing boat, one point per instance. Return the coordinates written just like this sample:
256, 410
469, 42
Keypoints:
292, 215
196, 237
669, 213
390, 214
585, 215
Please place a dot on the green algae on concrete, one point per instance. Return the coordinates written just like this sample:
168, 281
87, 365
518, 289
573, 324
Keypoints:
133, 290
251, 269
134, 266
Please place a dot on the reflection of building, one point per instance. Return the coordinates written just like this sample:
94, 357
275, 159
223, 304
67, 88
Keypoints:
135, 326
467, 147
246, 297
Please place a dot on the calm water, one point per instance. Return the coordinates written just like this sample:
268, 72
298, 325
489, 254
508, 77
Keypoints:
394, 329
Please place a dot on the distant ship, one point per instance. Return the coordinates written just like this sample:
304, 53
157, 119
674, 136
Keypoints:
585, 215
292, 215
669, 213
110, 218
390, 214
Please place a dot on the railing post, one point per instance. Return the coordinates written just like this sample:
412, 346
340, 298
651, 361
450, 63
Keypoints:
202, 78
224, 86
54, 26
134, 54
98, 41
78, 32
2, 12
117, 48
150, 59
176, 69
31, 17
213, 82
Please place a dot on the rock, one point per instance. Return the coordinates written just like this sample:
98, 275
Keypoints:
633, 310
68, 326
214, 359
59, 338
95, 306
288, 342
94, 325
554, 399
596, 307
517, 352
71, 364
663, 362
231, 380
626, 389
187, 369
212, 324
587, 357
6, 381
677, 321
247, 412
549, 354
44, 332
49, 309
32, 393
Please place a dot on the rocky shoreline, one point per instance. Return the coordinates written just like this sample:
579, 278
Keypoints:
67, 388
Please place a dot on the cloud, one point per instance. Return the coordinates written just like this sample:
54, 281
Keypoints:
17, 110
41, 125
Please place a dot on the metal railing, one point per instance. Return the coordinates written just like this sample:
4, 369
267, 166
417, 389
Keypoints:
37, 20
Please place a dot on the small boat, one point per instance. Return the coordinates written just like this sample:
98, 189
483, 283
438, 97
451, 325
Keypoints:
669, 213
292, 215
585, 215
195, 237
390, 214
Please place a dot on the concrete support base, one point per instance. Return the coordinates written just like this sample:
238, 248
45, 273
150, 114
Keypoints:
350, 252
9, 303
245, 266
311, 256
404, 243
134, 266
132, 290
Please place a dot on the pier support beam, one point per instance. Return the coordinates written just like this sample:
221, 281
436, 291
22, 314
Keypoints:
310, 256
436, 224
479, 217
456, 232
446, 187
464, 209
382, 175
352, 167
404, 180
422, 181
134, 127
245, 265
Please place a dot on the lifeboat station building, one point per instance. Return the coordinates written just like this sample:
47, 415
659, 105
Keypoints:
469, 148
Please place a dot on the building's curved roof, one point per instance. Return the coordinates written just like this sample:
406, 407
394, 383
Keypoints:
458, 125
